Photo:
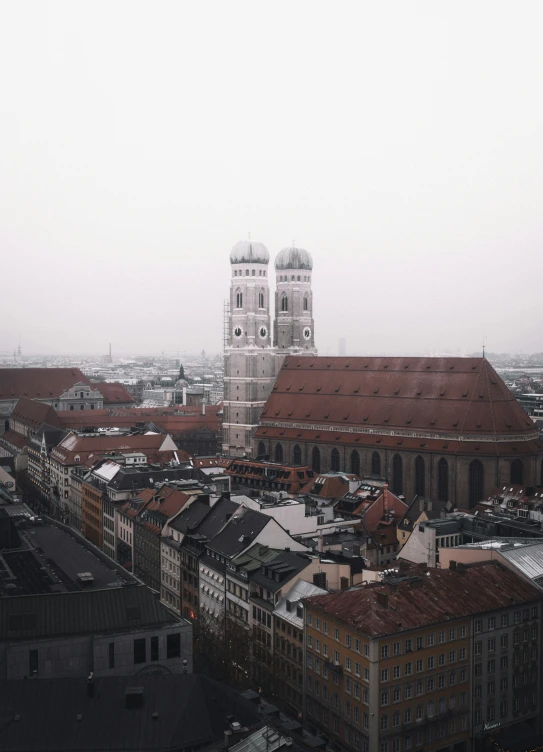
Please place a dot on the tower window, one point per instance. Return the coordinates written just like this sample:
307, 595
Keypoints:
278, 453
298, 277
316, 459
260, 272
375, 464
306, 303
284, 303
261, 299
292, 277
297, 455
254, 273
239, 299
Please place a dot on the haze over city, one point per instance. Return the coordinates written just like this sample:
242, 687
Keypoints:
399, 143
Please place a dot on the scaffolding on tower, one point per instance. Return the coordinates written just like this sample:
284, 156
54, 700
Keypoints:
225, 324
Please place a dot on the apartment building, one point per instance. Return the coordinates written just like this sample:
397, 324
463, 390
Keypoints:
430, 660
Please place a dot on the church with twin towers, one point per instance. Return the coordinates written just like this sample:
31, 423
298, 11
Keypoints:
254, 352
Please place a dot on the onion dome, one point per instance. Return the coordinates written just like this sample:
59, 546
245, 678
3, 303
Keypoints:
249, 252
293, 258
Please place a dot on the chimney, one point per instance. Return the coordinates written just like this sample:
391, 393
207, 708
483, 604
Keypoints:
321, 543
382, 599
452, 565
91, 687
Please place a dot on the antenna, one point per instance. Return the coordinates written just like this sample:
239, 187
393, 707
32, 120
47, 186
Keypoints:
484, 338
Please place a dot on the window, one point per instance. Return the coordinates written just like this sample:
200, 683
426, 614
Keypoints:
397, 474
262, 449
478, 626
384, 651
239, 299
408, 646
355, 462
431, 640
420, 666
517, 472
384, 722
443, 479
316, 459
261, 299
476, 482
376, 463
335, 460
492, 622
420, 643
279, 453
284, 303
173, 645
505, 620
306, 303
384, 697
420, 477
297, 455
384, 675
154, 648
408, 715
408, 669
111, 654
140, 654
33, 662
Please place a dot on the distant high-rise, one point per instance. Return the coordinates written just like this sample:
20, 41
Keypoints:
342, 347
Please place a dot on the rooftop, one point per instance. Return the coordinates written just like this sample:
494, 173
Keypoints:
431, 598
38, 383
52, 615
177, 712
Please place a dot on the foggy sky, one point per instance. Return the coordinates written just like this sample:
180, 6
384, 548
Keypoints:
399, 142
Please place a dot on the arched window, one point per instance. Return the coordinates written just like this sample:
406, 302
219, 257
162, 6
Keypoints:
397, 474
335, 460
443, 480
297, 455
279, 453
261, 299
284, 303
306, 303
355, 462
420, 476
316, 459
262, 449
476, 482
239, 299
376, 463
517, 472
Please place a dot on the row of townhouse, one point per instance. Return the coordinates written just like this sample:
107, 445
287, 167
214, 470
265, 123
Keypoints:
437, 660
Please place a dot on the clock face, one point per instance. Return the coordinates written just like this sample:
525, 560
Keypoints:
263, 332
307, 332
238, 331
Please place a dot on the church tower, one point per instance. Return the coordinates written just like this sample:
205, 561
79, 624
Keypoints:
249, 360
294, 329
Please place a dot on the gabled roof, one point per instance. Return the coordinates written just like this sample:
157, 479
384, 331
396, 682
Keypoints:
38, 383
113, 393
301, 589
217, 518
278, 565
240, 531
452, 397
85, 447
31, 617
33, 413
14, 439
190, 517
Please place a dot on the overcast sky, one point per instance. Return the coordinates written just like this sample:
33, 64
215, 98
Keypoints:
399, 142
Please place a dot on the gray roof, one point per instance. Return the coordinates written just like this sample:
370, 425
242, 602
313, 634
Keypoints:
31, 617
266, 739
57, 714
301, 589
190, 517
241, 530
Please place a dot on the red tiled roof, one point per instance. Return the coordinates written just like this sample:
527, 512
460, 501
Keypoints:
113, 393
38, 383
34, 414
445, 594
436, 395
163, 418
16, 440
